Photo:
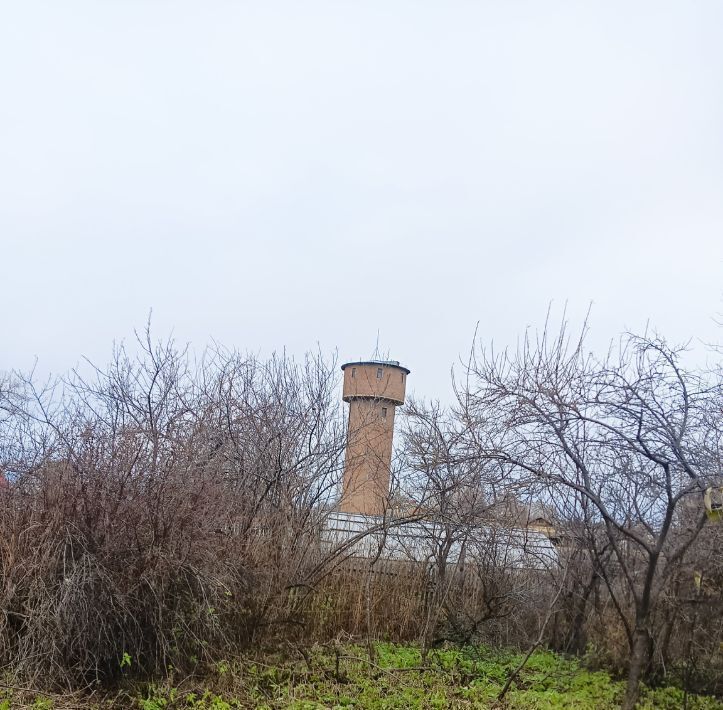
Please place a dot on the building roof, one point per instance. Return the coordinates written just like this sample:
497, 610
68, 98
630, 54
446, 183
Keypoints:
507, 547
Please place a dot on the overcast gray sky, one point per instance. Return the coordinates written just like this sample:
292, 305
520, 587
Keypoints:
282, 174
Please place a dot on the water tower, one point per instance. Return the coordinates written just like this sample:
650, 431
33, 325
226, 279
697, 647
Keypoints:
373, 389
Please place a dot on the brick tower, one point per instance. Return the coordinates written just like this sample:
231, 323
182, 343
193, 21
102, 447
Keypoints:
373, 389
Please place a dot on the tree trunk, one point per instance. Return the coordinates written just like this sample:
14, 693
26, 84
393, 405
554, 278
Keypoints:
638, 661
664, 645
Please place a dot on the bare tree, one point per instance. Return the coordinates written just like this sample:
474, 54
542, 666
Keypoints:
631, 436
476, 571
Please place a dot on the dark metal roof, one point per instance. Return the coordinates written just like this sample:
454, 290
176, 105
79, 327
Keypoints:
383, 363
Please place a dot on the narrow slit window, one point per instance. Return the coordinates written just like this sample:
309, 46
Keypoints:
379, 373
384, 412
353, 371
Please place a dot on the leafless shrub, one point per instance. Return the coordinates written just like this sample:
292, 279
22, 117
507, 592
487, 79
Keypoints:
159, 515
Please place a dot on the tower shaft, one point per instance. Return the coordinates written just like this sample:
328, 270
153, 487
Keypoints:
373, 390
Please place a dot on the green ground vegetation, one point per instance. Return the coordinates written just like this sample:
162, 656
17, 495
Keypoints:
345, 677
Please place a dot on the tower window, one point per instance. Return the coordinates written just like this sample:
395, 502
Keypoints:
379, 373
353, 371
384, 412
